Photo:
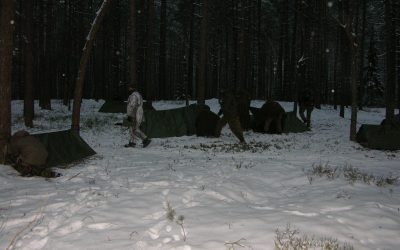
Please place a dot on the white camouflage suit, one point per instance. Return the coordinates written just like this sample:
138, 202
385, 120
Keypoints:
134, 110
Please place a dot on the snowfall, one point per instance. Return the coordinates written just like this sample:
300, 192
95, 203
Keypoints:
187, 193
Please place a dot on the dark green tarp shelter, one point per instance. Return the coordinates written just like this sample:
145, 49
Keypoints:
169, 123
379, 137
116, 106
64, 147
111, 106
292, 123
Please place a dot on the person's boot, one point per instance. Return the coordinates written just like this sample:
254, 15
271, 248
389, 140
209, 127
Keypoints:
130, 145
146, 142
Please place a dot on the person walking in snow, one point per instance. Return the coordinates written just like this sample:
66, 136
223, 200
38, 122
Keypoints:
306, 105
134, 110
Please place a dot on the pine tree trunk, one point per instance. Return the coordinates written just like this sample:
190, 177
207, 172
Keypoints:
6, 47
354, 90
46, 104
203, 55
68, 45
150, 51
241, 45
336, 71
28, 52
190, 57
362, 53
293, 61
163, 49
260, 53
83, 64
133, 74
390, 43
235, 43
344, 59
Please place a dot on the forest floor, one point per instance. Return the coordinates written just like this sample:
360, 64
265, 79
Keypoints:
188, 193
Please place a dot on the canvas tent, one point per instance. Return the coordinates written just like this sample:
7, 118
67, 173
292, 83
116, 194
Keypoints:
379, 137
64, 147
169, 123
292, 123
116, 106
112, 106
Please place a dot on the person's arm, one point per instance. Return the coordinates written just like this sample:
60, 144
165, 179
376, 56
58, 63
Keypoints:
132, 106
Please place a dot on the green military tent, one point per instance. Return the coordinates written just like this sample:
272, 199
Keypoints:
169, 123
292, 123
64, 147
116, 106
113, 106
379, 137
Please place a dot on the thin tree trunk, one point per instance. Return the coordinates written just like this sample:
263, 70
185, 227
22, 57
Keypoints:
335, 72
350, 8
150, 51
260, 55
163, 49
242, 70
29, 110
47, 56
6, 47
344, 59
235, 43
354, 90
293, 61
362, 53
390, 61
76, 110
203, 55
190, 56
133, 74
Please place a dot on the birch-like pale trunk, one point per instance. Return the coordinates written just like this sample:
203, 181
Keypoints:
76, 110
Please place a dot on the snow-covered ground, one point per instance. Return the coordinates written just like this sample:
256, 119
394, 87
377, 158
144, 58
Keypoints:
223, 197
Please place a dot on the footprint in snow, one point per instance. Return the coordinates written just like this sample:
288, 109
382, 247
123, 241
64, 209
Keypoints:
154, 232
188, 199
35, 244
100, 226
301, 213
71, 228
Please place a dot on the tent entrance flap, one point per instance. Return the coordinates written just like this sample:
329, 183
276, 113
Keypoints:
292, 123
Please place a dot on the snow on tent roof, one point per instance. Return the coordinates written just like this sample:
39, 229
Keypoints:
64, 147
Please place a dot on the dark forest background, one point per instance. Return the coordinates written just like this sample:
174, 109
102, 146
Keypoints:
271, 48
345, 51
